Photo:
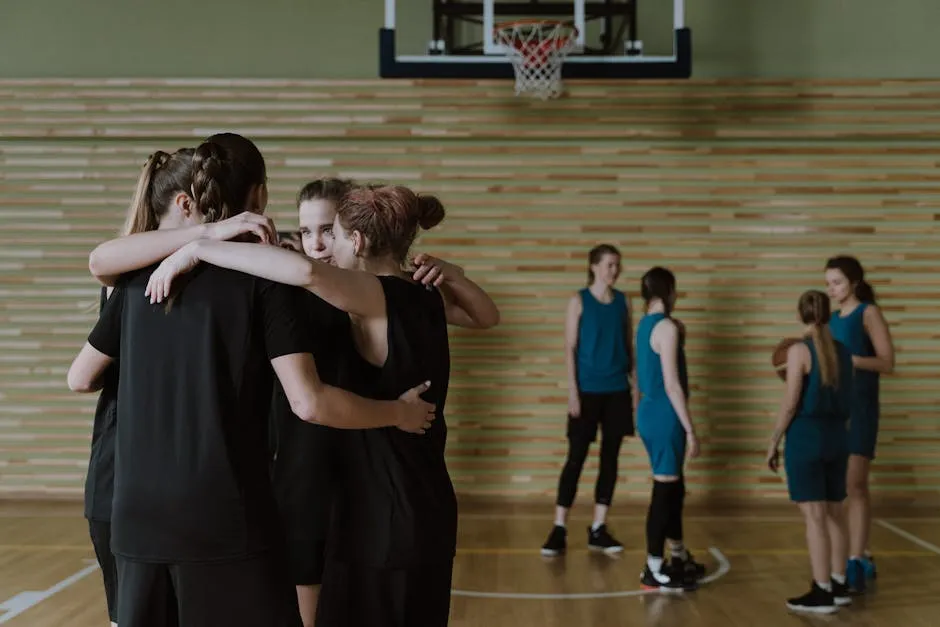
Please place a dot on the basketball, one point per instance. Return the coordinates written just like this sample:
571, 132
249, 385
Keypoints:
779, 356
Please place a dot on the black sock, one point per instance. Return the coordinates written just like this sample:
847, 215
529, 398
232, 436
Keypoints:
656, 519
676, 503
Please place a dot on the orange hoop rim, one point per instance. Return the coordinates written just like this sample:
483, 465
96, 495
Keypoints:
538, 47
502, 26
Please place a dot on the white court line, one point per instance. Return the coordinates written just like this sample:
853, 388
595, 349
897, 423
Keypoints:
757, 518
723, 567
24, 601
909, 536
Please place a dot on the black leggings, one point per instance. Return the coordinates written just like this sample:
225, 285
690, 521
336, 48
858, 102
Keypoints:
664, 519
613, 412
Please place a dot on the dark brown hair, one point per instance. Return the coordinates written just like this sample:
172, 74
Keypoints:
658, 282
597, 253
855, 273
162, 177
814, 310
389, 217
226, 167
329, 189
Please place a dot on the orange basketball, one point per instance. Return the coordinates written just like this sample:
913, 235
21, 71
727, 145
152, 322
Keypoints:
779, 357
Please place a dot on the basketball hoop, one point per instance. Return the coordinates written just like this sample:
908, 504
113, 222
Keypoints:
537, 50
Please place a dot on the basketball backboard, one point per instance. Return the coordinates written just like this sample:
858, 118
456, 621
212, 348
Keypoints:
455, 38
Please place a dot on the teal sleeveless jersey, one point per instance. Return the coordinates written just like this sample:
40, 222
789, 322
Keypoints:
602, 360
649, 371
850, 331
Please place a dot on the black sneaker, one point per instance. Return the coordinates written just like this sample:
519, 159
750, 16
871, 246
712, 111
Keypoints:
601, 540
690, 569
557, 542
816, 601
840, 593
666, 580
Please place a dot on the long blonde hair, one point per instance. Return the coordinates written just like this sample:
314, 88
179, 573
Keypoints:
814, 310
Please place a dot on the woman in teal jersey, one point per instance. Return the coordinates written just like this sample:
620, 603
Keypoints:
813, 415
860, 325
665, 426
599, 359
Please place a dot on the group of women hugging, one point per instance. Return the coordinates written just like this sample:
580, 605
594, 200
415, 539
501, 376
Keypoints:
268, 447
829, 415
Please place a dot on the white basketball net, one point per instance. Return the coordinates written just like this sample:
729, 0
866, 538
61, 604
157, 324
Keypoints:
537, 50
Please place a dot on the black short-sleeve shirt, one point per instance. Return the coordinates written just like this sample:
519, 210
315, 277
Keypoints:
99, 482
195, 384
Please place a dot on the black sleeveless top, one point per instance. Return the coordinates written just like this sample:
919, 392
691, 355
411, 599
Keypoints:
396, 506
99, 482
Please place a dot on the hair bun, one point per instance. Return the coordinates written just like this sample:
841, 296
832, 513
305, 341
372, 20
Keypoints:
430, 212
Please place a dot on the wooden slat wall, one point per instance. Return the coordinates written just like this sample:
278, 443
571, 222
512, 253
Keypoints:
742, 188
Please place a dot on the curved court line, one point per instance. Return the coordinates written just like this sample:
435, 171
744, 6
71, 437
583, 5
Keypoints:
723, 567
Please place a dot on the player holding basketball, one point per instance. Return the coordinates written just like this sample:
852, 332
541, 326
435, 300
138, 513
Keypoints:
861, 327
666, 428
813, 415
599, 357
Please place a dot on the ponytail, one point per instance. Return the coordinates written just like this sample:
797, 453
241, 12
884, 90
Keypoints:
163, 176
814, 310
141, 215
865, 292
209, 173
826, 355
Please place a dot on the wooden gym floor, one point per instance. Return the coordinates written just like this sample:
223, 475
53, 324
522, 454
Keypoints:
756, 558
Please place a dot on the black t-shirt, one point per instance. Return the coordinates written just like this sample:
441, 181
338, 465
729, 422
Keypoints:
99, 482
396, 506
191, 478
304, 454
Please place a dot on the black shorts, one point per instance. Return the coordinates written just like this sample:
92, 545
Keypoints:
363, 596
252, 593
613, 411
304, 484
100, 532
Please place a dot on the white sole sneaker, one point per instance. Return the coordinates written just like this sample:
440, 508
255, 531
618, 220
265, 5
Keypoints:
816, 609
610, 550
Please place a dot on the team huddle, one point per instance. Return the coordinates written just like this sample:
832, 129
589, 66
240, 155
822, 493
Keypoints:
219, 515
269, 440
